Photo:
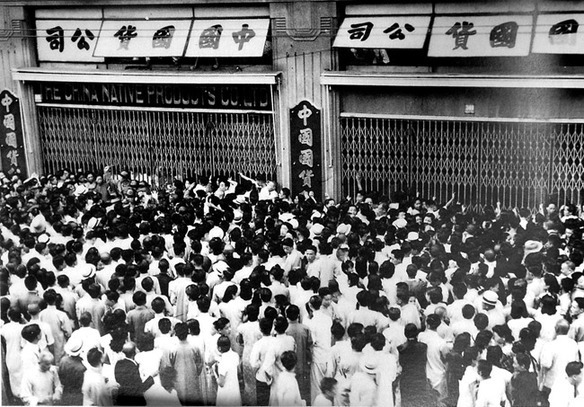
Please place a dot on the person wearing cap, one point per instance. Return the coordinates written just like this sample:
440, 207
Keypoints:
41, 385
489, 304
364, 382
71, 371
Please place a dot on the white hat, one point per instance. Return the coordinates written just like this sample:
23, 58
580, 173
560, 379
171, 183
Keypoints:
369, 364
44, 238
216, 232
344, 229
490, 298
87, 270
400, 223
74, 346
412, 236
532, 246
316, 229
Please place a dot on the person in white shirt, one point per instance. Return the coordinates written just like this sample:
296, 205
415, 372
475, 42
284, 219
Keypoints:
567, 388
555, 355
491, 390
320, 329
41, 384
436, 353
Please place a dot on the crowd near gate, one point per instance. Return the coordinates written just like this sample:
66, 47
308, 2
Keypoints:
518, 163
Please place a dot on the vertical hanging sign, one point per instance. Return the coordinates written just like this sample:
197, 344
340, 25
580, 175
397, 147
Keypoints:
305, 147
11, 138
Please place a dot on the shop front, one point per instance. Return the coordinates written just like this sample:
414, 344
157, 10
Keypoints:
161, 93
442, 99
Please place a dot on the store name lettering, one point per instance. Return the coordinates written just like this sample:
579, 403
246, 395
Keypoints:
158, 95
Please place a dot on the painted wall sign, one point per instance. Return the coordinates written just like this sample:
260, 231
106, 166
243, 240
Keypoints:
67, 40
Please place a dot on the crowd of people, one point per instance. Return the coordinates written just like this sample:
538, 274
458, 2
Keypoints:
215, 292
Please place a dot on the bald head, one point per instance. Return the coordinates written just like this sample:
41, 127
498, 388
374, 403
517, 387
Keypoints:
562, 327
105, 258
33, 309
46, 359
129, 350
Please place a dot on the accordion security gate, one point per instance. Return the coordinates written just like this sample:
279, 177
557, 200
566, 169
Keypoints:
520, 164
157, 144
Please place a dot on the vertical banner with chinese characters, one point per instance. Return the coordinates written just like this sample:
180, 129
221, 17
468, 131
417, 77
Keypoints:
11, 137
305, 148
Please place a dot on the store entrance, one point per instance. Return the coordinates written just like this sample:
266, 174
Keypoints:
157, 144
518, 163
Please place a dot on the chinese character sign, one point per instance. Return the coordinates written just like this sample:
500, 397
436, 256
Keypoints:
478, 36
406, 32
305, 132
228, 38
67, 40
12, 155
559, 34
143, 38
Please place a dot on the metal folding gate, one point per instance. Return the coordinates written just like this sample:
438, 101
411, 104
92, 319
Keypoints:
518, 163
157, 144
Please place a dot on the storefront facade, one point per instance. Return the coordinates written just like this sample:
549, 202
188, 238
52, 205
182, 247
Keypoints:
423, 98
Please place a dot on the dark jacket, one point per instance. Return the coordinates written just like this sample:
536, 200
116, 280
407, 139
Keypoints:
132, 388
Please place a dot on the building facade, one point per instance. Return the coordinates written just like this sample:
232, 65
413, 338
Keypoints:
428, 98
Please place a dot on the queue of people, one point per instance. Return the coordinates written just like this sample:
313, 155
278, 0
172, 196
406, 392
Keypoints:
216, 292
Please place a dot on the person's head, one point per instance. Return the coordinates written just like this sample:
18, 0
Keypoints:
129, 350
280, 325
577, 306
31, 333
292, 312
289, 360
562, 327
46, 360
484, 369
266, 326
223, 344
574, 372
94, 357
521, 362
433, 321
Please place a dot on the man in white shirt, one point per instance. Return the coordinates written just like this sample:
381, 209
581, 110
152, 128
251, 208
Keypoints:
566, 390
320, 329
436, 353
556, 354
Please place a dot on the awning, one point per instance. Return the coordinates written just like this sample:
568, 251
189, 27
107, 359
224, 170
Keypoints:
111, 76
559, 34
143, 38
481, 36
228, 37
405, 32
67, 40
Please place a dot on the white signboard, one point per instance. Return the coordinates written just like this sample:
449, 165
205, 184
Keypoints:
559, 34
143, 38
383, 32
67, 40
481, 36
228, 38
